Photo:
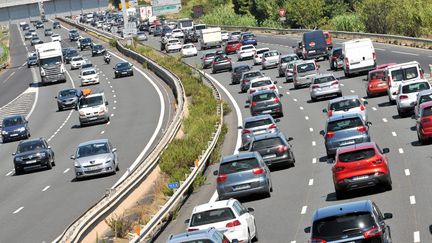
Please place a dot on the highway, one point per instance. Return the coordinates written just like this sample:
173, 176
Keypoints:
38, 206
300, 190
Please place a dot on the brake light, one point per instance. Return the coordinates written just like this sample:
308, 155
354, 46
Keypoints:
421, 73
374, 56
315, 86
338, 168
361, 129
222, 178
233, 224
375, 231
276, 100
377, 161
272, 126
362, 107
273, 87
334, 83
347, 62
191, 229
388, 80
254, 104
316, 240
251, 91
330, 113
244, 81
245, 131
402, 97
282, 148
425, 119
258, 171
263, 59
329, 135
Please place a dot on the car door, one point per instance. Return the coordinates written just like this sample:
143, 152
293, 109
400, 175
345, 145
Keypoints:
380, 219
245, 216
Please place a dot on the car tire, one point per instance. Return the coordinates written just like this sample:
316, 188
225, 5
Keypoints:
18, 171
339, 94
49, 165
388, 185
117, 167
313, 99
249, 237
132, 74
400, 113
60, 108
421, 140
296, 86
213, 71
339, 194
347, 75
256, 238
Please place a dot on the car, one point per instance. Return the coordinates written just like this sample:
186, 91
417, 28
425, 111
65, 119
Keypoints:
56, 25
24, 26
89, 76
35, 40
76, 62
73, 35
336, 59
245, 51
396, 74
95, 157
232, 46
237, 72
48, 32
39, 24
84, 43
177, 33
258, 55
14, 127
248, 39
257, 125
274, 148
347, 105
289, 71
283, 63
359, 166
68, 98
141, 36
377, 84
87, 65
55, 37
31, 154
227, 216
312, 46
123, 69
422, 97
32, 61
304, 72
264, 83
210, 235
173, 45
407, 95
221, 63
344, 130
270, 59
324, 85
28, 36
71, 53
247, 77
359, 55
157, 31
424, 122
207, 58
98, 49
92, 108
189, 50
235, 35
225, 36
265, 102
358, 221
242, 175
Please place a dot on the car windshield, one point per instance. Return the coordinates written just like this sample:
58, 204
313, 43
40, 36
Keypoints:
90, 101
289, 58
30, 146
88, 72
92, 149
263, 97
416, 87
261, 51
377, 75
325, 79
267, 143
425, 98
339, 125
72, 52
271, 54
97, 46
188, 46
35, 38
85, 40
241, 69
77, 59
86, 65
427, 111
357, 155
345, 105
336, 226
50, 61
12, 121
122, 65
252, 75
258, 123
198, 241
68, 92
302, 68
238, 166
404, 74
47, 29
247, 48
261, 83
55, 35
212, 216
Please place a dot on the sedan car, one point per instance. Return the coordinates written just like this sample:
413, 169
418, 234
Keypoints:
89, 76
241, 175
257, 125
32, 154
221, 63
238, 71
28, 36
32, 61
141, 36
84, 43
407, 95
377, 84
283, 63
232, 46
95, 157
14, 127
274, 148
247, 77
248, 39
55, 37
173, 45
264, 83
359, 166
69, 54
235, 35
424, 122
304, 72
270, 59
350, 104
265, 102
324, 85
189, 50
98, 49
177, 33
208, 58
123, 69
35, 40
257, 58
48, 32
68, 98
210, 235
246, 51
76, 62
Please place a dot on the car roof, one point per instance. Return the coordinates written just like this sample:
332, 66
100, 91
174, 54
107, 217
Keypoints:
408, 82
348, 97
248, 46
261, 49
12, 116
102, 140
425, 104
31, 140
239, 156
425, 92
355, 147
266, 136
342, 116
213, 205
342, 209
260, 79
321, 75
257, 118
197, 234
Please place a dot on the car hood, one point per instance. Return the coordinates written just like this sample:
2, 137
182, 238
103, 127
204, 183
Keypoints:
90, 76
12, 128
25, 154
93, 160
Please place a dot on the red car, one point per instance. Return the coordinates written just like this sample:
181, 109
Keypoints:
377, 84
232, 46
359, 166
383, 66
424, 122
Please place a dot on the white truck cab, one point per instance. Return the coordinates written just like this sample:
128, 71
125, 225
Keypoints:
92, 108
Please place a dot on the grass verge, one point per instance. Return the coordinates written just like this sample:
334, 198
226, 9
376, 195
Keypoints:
4, 44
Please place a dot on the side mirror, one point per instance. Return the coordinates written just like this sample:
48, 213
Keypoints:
324, 110
386, 150
388, 216
277, 120
55, 97
13, 154
307, 230
216, 172
365, 102
322, 132
72, 157
275, 82
368, 123
290, 139
106, 102
187, 221
240, 127
251, 210
114, 150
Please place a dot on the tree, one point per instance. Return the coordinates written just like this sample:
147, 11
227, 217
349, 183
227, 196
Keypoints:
241, 6
265, 10
375, 13
306, 14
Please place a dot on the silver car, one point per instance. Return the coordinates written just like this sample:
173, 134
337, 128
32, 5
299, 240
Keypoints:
407, 95
324, 85
347, 105
247, 77
283, 62
141, 36
257, 125
242, 175
422, 97
289, 70
270, 59
95, 157
304, 72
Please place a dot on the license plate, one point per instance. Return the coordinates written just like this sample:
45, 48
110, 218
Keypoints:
241, 187
313, 51
94, 168
269, 156
379, 85
266, 112
14, 135
31, 161
124, 72
347, 143
92, 118
358, 178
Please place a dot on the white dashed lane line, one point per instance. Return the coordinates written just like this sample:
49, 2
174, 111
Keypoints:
352, 91
46, 188
314, 160
115, 101
384, 120
412, 200
280, 87
401, 151
301, 108
311, 129
407, 172
114, 96
10, 172
311, 181
416, 236
114, 108
394, 134
342, 85
65, 171
374, 108
303, 210
18, 210
295, 100
287, 93
306, 117
313, 143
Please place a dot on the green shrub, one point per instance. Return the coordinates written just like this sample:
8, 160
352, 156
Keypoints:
348, 22
225, 15
119, 224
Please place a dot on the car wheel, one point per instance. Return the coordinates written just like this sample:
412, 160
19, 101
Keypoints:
268, 192
28, 66
213, 71
313, 99
347, 75
60, 108
256, 233
132, 74
296, 86
18, 171
389, 185
400, 113
49, 165
421, 140
339, 194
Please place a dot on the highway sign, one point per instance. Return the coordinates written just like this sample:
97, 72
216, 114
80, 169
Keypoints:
166, 9
281, 12
173, 185
157, 3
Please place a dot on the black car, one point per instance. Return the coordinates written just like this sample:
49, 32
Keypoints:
98, 49
32, 61
14, 127
68, 98
265, 102
274, 148
359, 221
56, 25
31, 154
123, 69
70, 54
237, 73
73, 35
39, 24
85, 42
48, 32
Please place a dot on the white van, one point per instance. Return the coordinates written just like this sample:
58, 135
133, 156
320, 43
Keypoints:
395, 74
210, 37
359, 56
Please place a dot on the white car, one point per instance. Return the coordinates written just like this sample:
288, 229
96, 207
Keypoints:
89, 76
246, 51
225, 36
263, 83
422, 97
99, 25
347, 105
177, 33
77, 62
270, 59
173, 45
227, 216
407, 95
258, 55
189, 50
55, 37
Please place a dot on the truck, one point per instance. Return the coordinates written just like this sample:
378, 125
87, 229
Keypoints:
185, 24
50, 62
312, 46
210, 37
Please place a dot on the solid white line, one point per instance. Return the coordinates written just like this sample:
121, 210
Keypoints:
10, 172
301, 108
303, 210
18, 210
405, 53
394, 134
412, 200
401, 151
407, 172
374, 108
65, 171
311, 129
416, 236
384, 120
46, 188
314, 160
313, 143
311, 182
306, 117
379, 49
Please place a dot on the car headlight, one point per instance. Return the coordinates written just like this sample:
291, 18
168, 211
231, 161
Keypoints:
21, 129
77, 164
116, 71
42, 72
18, 159
81, 113
42, 154
4, 132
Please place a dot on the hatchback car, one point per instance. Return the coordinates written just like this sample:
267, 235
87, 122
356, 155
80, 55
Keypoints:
210, 235
347, 105
360, 166
35, 40
257, 125
324, 85
85, 43
248, 39
221, 63
32, 61
237, 72
98, 49
48, 32
289, 71
76, 62
208, 58
89, 76
68, 98
407, 95
424, 122
14, 127
264, 83
141, 36
336, 59
56, 37
235, 35
265, 102
28, 36
95, 157
245, 51
377, 84
270, 59
33, 154
283, 63
232, 46
123, 69
257, 58
189, 50
359, 221
304, 72
344, 130
274, 148
177, 33
241, 175
247, 77
422, 97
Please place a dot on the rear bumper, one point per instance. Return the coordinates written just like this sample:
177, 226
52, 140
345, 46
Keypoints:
94, 119
261, 188
332, 91
372, 181
361, 69
275, 110
286, 158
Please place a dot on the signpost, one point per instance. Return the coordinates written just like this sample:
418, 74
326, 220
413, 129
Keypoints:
146, 12
161, 7
130, 29
173, 185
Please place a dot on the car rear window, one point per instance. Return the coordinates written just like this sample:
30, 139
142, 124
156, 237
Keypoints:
289, 58
340, 225
337, 52
211, 216
357, 155
302, 68
221, 58
261, 83
247, 47
198, 241
378, 75
404, 74
238, 166
262, 51
258, 123
338, 125
427, 111
241, 69
271, 54
345, 105
210, 54
325, 79
251, 75
425, 98
263, 97
233, 42
415, 87
267, 143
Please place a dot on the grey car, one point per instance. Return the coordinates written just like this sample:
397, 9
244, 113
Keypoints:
324, 85
48, 32
238, 71
221, 63
265, 102
141, 36
242, 175
95, 157
32, 61
257, 125
304, 72
35, 40
210, 235
274, 148
283, 62
422, 97
289, 71
270, 59
14, 127
68, 98
208, 58
344, 130
247, 77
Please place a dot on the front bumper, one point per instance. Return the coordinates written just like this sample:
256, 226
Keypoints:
14, 135
123, 73
94, 119
81, 172
66, 105
89, 81
33, 164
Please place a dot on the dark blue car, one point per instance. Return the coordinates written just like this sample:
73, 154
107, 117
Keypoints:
14, 127
248, 39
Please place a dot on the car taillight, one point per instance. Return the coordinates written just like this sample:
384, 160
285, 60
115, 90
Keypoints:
388, 80
361, 129
334, 83
191, 229
242, 52
273, 87
338, 168
263, 59
374, 56
258, 171
421, 73
222, 178
329, 135
402, 97
315, 86
330, 113
225, 240
214, 62
276, 100
272, 126
282, 148
347, 62
246, 131
362, 107
256, 56
251, 91
316, 240
375, 231
377, 161
254, 104
244, 81
233, 224
425, 119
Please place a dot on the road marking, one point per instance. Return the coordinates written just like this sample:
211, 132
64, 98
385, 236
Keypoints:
115, 101
342, 85
314, 160
313, 143
416, 236
379, 49
384, 120
18, 210
111, 86
280, 87
310, 182
108, 82
10, 173
303, 211
114, 108
301, 108
287, 93
112, 114
352, 91
102, 132
214, 197
374, 108
412, 200
46, 188
407, 172
114, 96
293, 241
405, 53
310, 129
306, 117
295, 100
401, 151
65, 171
113, 91
10, 75
394, 134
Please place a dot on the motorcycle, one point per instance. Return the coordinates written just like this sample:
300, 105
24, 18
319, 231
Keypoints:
107, 59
